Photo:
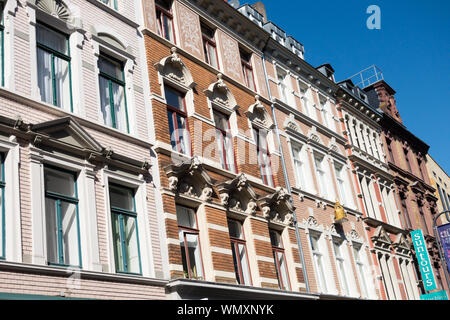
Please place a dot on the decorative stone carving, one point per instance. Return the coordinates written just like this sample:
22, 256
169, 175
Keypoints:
258, 115
311, 222
291, 125
219, 94
55, 8
333, 147
402, 245
190, 179
190, 32
172, 67
381, 239
278, 207
238, 195
313, 136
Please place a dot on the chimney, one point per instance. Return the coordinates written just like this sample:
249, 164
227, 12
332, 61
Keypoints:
259, 6
382, 96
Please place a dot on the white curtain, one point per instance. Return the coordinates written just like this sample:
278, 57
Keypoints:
117, 242
105, 101
70, 234
119, 106
62, 80
244, 264
52, 230
131, 242
283, 270
194, 256
44, 62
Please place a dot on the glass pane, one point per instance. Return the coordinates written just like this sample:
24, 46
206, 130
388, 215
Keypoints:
323, 284
110, 67
183, 136
117, 243
62, 84
229, 153
235, 229
121, 198
118, 93
174, 98
131, 244
51, 230
186, 217
236, 263
221, 121
51, 39
314, 244
244, 264
194, 256
173, 134
220, 147
60, 182
70, 234
167, 25
283, 270
105, 101
212, 55
44, 63
275, 239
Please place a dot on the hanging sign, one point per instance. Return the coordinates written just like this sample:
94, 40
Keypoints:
440, 295
444, 235
423, 260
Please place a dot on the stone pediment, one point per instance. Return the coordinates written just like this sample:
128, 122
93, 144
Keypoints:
238, 195
381, 239
219, 94
65, 132
173, 68
258, 115
291, 125
402, 245
190, 179
278, 207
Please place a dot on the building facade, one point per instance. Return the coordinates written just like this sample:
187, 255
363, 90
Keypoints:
184, 149
79, 218
440, 180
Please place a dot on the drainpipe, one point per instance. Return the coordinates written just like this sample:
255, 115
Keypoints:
286, 178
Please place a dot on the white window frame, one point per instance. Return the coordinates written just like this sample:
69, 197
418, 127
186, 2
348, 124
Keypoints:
13, 230
87, 206
140, 198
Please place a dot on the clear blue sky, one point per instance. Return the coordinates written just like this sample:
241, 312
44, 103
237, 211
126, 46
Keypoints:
412, 49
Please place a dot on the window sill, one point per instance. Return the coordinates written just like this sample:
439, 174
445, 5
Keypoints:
114, 13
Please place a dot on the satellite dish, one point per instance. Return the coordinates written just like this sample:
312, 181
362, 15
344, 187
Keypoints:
234, 3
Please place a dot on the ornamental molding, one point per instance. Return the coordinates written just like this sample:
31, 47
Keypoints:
381, 239
238, 195
259, 115
173, 68
291, 125
402, 245
190, 179
219, 93
314, 136
278, 207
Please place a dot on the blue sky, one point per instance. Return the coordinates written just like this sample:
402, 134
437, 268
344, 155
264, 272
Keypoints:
412, 49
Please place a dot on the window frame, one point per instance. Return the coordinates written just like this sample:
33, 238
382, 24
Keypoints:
247, 67
2, 203
120, 212
73, 200
168, 14
207, 40
181, 113
341, 264
223, 151
257, 135
360, 265
191, 231
280, 250
120, 82
235, 243
319, 272
321, 178
54, 53
111, 4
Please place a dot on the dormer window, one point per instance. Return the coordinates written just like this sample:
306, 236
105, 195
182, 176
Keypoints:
247, 69
165, 19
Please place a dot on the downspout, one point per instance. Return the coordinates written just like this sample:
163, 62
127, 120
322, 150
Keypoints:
286, 178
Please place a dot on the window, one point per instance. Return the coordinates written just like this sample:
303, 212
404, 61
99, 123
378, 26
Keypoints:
321, 175
327, 115
112, 93
341, 184
357, 144
53, 63
238, 248
408, 164
280, 260
2, 43
357, 253
363, 140
247, 69
375, 146
262, 151
318, 263
405, 212
419, 163
389, 147
165, 19
225, 141
2, 207
422, 217
340, 265
299, 166
209, 46
307, 100
190, 243
282, 86
61, 216
110, 3
125, 230
178, 126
